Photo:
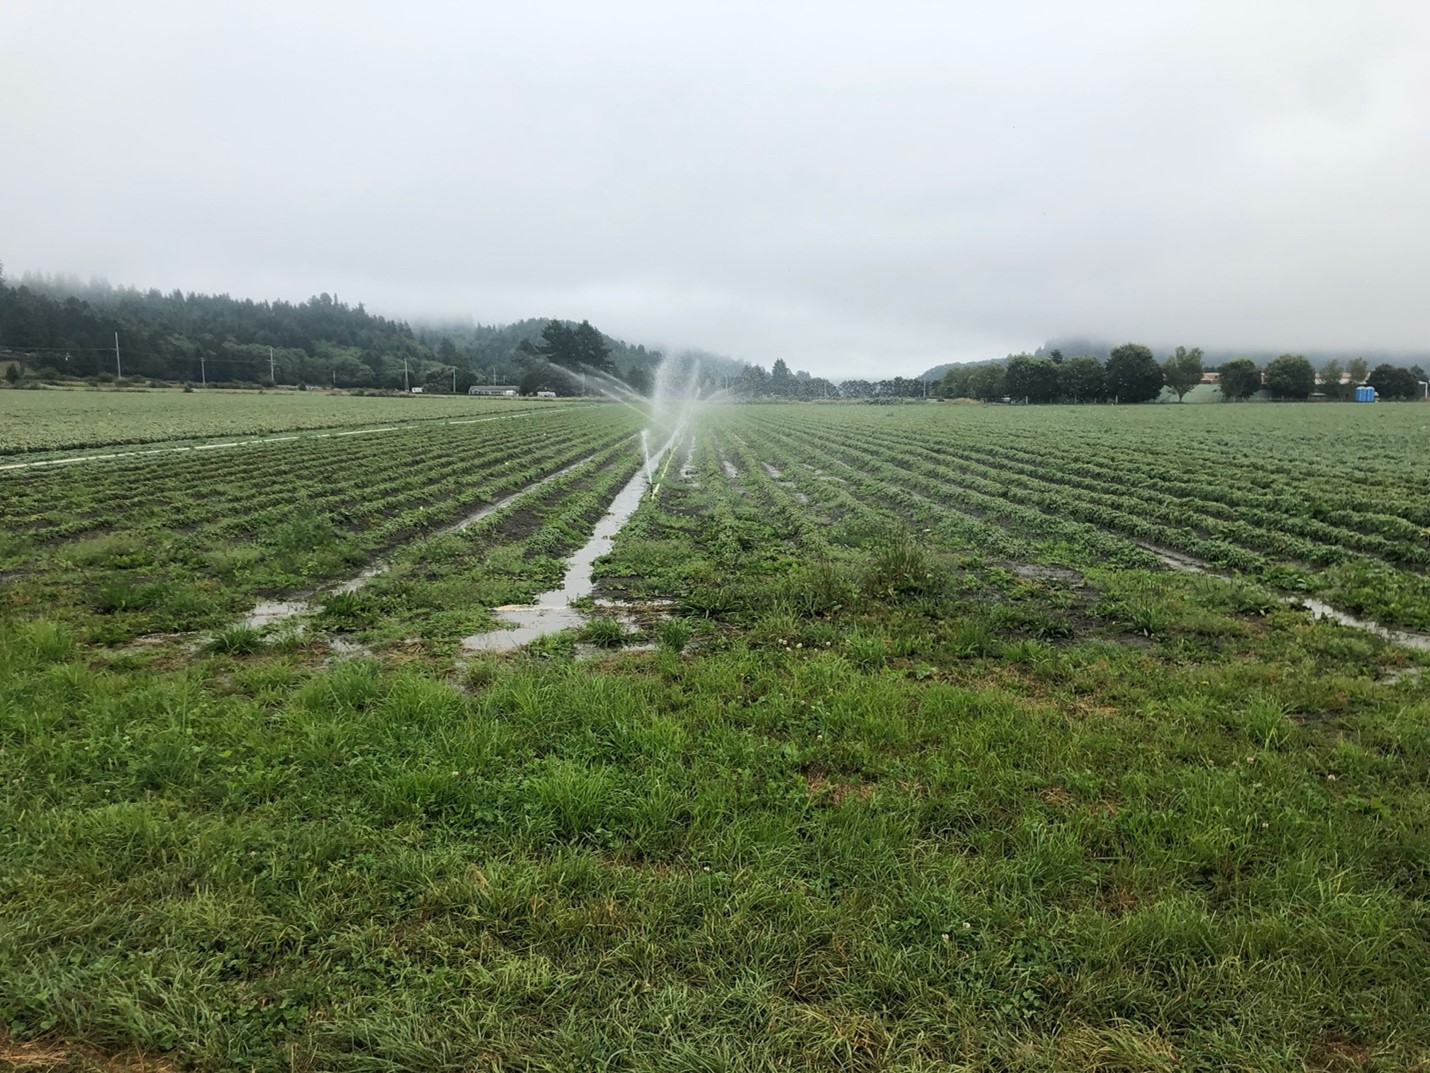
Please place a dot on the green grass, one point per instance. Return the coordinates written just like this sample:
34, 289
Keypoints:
897, 789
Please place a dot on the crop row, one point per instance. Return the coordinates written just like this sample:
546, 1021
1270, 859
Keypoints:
218, 478
1215, 532
444, 588
34, 422
238, 508
213, 555
984, 509
1045, 489
1225, 543
1386, 535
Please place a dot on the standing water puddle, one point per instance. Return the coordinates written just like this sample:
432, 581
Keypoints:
552, 611
1318, 608
1405, 638
267, 612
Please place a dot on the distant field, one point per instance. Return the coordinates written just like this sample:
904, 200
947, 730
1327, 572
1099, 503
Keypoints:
60, 419
905, 749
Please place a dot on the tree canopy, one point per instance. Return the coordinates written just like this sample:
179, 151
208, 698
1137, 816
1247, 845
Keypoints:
1290, 377
1031, 379
1393, 382
1183, 370
1133, 374
1239, 378
1331, 373
1081, 379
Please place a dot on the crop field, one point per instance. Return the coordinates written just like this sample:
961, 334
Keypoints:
892, 737
33, 423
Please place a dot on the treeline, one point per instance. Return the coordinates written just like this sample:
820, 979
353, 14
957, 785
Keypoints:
58, 327
1132, 374
519, 353
1291, 376
753, 381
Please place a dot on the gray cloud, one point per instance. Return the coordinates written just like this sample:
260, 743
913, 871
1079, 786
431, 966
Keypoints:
854, 187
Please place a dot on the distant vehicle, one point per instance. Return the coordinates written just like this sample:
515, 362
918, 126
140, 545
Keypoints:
416, 390
546, 394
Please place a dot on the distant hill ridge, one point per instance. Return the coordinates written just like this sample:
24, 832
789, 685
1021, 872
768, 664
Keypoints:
69, 327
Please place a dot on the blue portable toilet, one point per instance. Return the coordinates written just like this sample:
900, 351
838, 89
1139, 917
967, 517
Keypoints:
1365, 393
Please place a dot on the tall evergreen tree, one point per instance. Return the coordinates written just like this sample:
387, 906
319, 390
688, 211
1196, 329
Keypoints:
558, 345
589, 350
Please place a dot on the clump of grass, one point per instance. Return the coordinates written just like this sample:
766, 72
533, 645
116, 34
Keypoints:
304, 531
1266, 722
240, 640
901, 566
348, 610
866, 648
571, 798
123, 595
231, 561
816, 589
112, 551
43, 641
289, 637
604, 631
673, 634
479, 673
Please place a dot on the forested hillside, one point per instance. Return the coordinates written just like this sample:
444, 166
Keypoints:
70, 327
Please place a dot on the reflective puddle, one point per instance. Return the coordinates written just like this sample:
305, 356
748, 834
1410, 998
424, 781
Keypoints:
552, 612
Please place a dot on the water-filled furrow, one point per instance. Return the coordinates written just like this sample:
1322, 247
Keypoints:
266, 613
553, 611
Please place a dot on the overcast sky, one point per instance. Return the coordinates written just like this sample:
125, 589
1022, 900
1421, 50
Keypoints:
866, 188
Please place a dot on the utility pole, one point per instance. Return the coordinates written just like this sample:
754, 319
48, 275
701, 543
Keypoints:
405, 385
118, 368
203, 371
494, 376
272, 378
454, 379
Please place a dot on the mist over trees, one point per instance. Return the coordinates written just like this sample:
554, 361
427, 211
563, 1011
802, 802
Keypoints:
68, 328
59, 326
